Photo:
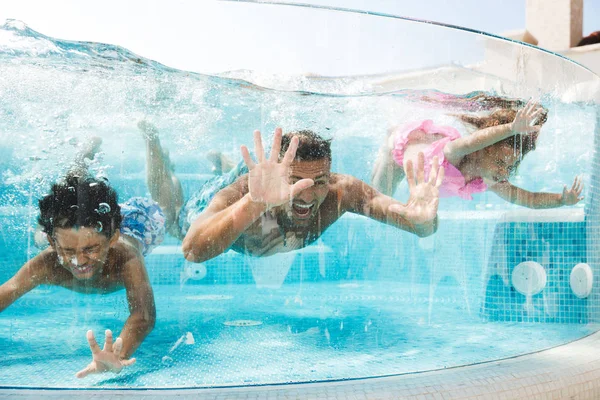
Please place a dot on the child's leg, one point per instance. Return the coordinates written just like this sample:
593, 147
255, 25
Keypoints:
221, 163
164, 186
386, 174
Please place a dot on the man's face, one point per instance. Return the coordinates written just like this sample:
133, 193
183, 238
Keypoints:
82, 251
305, 205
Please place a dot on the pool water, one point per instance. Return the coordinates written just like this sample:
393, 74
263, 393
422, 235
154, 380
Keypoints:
248, 336
370, 301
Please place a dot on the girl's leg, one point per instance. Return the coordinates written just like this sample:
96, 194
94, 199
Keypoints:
386, 174
164, 186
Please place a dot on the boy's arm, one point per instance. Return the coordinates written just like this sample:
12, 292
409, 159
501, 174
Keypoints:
142, 316
32, 274
228, 215
142, 311
522, 197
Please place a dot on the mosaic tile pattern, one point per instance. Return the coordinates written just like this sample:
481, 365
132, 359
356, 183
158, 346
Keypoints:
566, 372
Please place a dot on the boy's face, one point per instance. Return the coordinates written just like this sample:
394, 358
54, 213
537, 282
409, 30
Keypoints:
82, 251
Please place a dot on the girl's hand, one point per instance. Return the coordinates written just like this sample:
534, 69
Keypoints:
571, 196
525, 118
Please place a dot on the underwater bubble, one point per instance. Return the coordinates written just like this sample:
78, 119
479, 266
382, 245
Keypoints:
93, 184
71, 189
99, 226
75, 207
103, 208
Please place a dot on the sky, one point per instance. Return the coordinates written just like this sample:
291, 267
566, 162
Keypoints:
215, 36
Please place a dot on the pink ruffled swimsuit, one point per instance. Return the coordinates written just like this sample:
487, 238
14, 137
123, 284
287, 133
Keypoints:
454, 182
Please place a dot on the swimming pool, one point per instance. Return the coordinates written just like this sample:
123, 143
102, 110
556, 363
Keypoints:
365, 301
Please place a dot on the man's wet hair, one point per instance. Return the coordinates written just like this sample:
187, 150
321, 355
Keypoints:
80, 202
310, 148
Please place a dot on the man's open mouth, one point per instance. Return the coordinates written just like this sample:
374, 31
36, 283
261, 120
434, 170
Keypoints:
302, 210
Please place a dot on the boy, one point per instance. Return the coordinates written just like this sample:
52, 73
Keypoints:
96, 246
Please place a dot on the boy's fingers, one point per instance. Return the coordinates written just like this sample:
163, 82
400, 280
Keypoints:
127, 363
118, 346
108, 340
92, 342
85, 372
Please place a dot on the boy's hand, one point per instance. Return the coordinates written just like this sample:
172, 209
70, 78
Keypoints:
107, 359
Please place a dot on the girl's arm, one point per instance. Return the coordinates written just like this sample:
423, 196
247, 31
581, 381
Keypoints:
457, 149
521, 197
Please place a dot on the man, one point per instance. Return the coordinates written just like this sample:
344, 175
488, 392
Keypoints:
286, 201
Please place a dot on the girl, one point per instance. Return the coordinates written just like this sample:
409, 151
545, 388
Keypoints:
481, 161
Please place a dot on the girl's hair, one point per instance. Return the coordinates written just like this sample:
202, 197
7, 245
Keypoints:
521, 143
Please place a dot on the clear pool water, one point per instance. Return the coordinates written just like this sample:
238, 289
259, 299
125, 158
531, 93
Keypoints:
307, 332
366, 301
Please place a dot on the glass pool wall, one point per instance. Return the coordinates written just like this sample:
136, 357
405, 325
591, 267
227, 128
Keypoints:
54, 95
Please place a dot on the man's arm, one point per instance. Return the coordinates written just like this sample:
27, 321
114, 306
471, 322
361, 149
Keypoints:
360, 198
32, 274
522, 197
228, 215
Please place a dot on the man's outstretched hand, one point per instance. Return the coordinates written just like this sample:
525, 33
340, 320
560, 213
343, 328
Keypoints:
422, 205
268, 179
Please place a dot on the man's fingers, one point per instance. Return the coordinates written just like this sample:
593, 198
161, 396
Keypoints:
90, 369
300, 186
410, 174
258, 147
92, 342
127, 363
117, 347
276, 148
108, 340
435, 165
440, 177
420, 168
247, 159
290, 154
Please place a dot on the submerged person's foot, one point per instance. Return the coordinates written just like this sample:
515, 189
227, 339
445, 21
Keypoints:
221, 163
90, 148
149, 130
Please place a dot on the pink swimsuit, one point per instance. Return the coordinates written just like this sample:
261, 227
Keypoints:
454, 182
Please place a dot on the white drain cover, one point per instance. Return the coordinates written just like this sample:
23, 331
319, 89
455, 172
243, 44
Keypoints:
581, 280
529, 278
242, 322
